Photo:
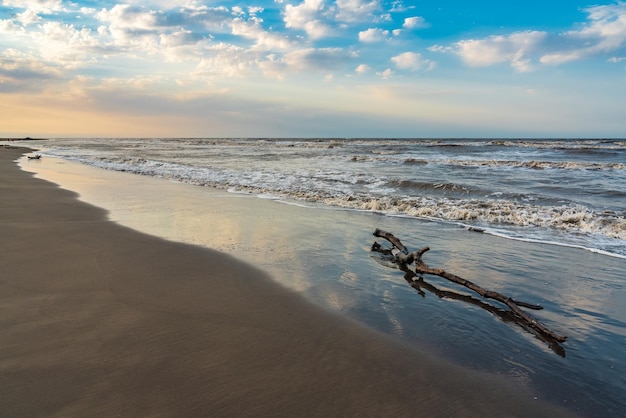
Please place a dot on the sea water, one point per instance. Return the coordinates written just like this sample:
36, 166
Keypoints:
570, 192
551, 212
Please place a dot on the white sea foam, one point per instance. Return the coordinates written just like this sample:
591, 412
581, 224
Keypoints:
497, 211
538, 165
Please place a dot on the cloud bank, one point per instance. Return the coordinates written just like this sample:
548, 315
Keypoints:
282, 54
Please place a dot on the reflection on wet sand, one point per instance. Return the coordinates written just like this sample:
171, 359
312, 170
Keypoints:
418, 283
387, 258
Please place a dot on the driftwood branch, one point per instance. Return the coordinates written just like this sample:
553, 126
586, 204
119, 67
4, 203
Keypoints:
419, 284
392, 239
405, 259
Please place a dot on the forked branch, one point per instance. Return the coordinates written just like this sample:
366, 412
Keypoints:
413, 261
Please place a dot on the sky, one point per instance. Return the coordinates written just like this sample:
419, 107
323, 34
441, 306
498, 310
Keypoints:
313, 68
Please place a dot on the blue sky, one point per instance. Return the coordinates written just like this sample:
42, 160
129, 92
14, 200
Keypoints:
313, 68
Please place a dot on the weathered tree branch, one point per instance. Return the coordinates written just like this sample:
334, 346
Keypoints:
505, 314
404, 259
393, 240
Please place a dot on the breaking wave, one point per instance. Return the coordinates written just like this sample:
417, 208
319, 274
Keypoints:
539, 165
576, 196
477, 211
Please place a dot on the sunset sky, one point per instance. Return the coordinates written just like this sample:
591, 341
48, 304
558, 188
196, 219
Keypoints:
312, 68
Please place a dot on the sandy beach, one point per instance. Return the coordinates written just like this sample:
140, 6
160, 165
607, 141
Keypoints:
100, 320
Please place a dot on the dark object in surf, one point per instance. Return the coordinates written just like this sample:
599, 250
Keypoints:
413, 266
34, 157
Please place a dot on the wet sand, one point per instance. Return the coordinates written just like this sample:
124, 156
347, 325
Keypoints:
100, 320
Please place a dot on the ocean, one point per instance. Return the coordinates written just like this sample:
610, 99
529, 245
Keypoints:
543, 221
567, 192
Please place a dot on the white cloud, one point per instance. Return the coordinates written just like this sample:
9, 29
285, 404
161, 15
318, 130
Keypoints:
176, 39
225, 60
88, 10
608, 24
305, 60
561, 57
131, 17
131, 26
309, 16
28, 17
323, 18
605, 33
317, 29
23, 72
317, 59
216, 19
126, 21
373, 35
358, 10
263, 40
399, 6
387, 74
441, 48
254, 10
45, 6
514, 49
9, 26
176, 34
162, 4
273, 68
65, 45
416, 22
362, 69
412, 61
137, 83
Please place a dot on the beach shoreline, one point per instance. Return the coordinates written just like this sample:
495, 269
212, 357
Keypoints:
99, 319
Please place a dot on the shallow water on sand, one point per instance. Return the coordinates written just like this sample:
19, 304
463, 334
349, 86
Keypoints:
325, 254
